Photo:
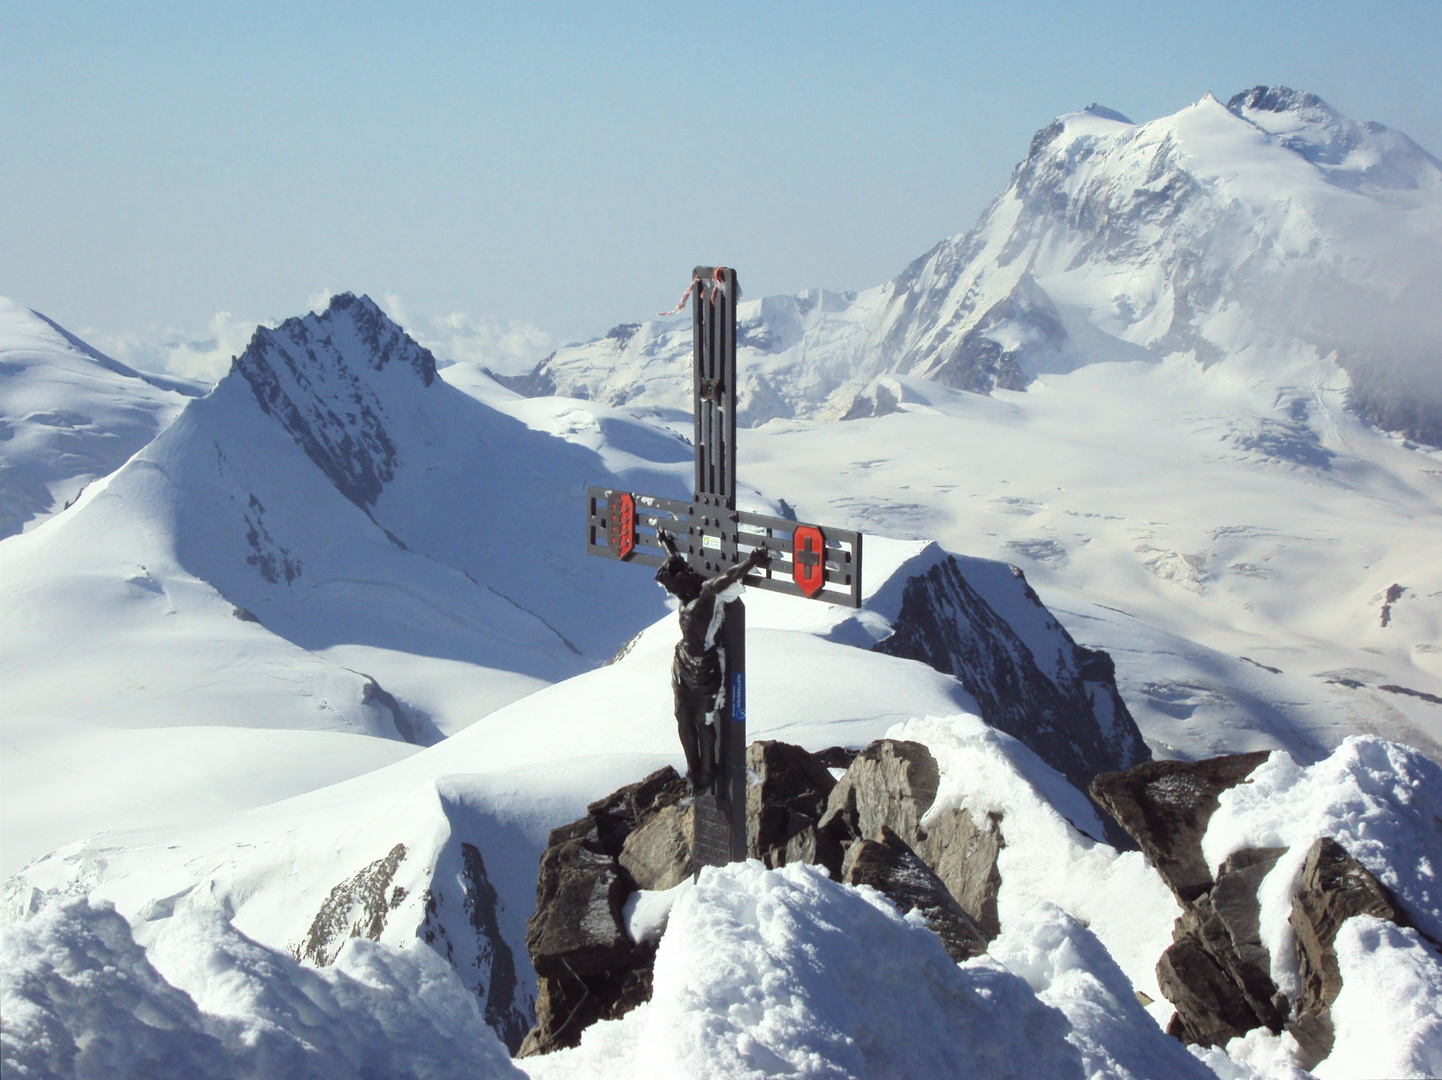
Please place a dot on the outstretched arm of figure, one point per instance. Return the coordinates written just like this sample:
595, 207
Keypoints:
722, 582
667, 541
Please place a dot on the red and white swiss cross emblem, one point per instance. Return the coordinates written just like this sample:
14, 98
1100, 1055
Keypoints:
621, 523
808, 559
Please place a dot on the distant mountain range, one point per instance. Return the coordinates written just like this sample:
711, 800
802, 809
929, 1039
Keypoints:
1269, 230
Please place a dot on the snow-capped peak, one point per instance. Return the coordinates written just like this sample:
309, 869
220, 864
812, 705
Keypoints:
1348, 153
1263, 231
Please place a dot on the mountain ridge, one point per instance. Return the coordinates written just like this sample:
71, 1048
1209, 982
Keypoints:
1270, 224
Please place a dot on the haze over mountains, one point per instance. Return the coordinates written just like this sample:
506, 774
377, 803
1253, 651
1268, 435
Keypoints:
299, 674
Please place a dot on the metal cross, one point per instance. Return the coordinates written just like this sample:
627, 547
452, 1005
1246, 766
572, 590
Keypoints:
805, 560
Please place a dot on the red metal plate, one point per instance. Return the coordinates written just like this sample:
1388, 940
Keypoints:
621, 523
808, 555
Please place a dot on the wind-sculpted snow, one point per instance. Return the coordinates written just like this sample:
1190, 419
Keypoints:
781, 972
81, 999
1389, 1013
1052, 853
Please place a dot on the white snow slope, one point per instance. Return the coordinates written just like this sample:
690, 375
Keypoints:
270, 580
68, 415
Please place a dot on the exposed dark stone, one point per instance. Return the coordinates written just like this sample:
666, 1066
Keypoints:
621, 811
1079, 726
1224, 922
567, 1005
657, 853
413, 727
1234, 902
964, 857
1392, 688
333, 926
1165, 807
787, 792
639, 836
837, 757
891, 783
577, 927
814, 846
538, 382
980, 363
301, 379
1333, 888
483, 959
889, 865
588, 968
1210, 1011
875, 400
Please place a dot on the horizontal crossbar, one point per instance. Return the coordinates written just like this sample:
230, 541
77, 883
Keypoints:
713, 538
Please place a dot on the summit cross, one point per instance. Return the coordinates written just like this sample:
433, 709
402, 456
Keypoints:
708, 540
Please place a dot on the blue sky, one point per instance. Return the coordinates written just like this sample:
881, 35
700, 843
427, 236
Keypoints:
540, 172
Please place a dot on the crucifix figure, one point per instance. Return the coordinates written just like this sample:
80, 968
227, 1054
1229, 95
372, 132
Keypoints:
705, 549
698, 665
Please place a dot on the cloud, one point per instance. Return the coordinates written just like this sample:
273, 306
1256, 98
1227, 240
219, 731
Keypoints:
205, 354
508, 348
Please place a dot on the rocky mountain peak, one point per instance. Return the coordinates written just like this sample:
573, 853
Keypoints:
1094, 109
1279, 99
317, 376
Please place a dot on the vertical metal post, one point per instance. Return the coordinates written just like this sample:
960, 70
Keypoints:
728, 373
733, 756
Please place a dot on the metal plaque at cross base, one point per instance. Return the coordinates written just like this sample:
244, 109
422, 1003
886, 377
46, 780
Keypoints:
805, 560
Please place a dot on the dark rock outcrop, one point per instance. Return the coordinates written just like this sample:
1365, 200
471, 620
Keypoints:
566, 1006
964, 856
892, 784
357, 907
889, 787
1165, 807
864, 829
458, 910
786, 795
837, 757
1071, 715
300, 377
1334, 887
587, 966
891, 867
1217, 973
657, 853
577, 928
474, 943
